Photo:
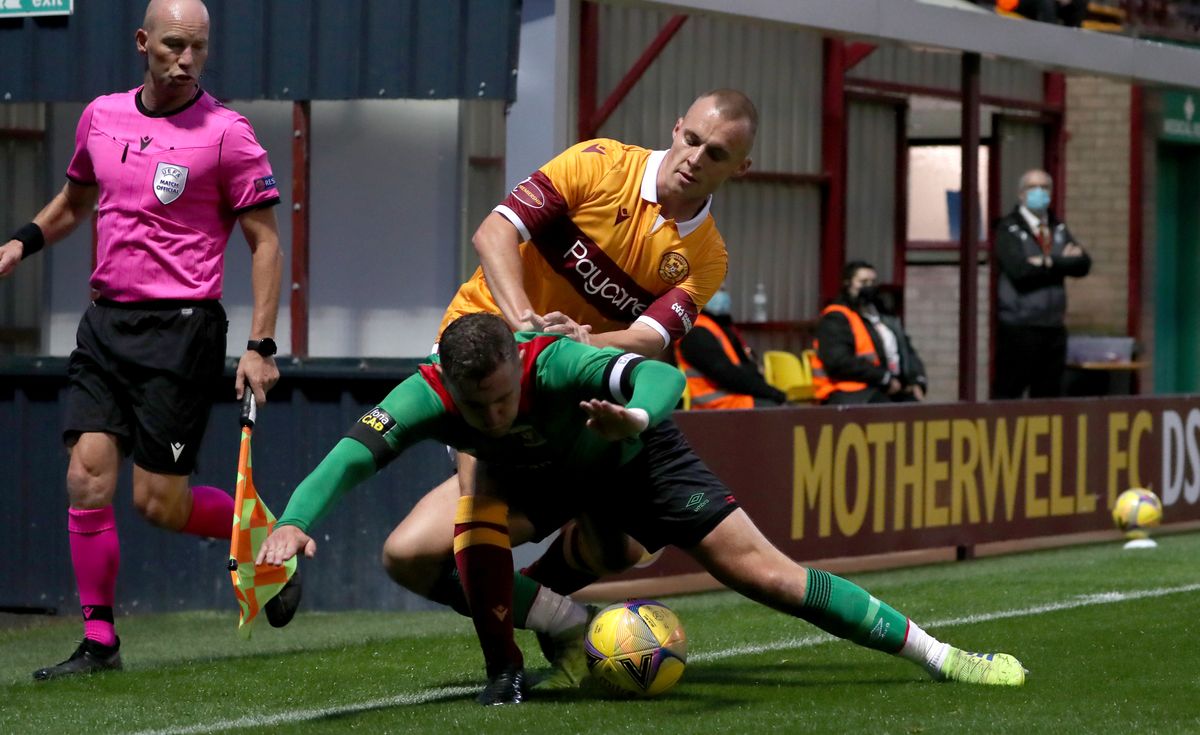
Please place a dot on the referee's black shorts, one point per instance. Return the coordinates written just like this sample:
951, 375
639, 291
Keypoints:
147, 372
665, 496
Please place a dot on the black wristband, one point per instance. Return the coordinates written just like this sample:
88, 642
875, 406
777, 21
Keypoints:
31, 237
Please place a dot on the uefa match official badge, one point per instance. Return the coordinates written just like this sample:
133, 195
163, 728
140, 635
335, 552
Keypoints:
673, 268
169, 182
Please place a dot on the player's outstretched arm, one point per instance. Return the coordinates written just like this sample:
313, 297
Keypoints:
657, 387
346, 466
283, 543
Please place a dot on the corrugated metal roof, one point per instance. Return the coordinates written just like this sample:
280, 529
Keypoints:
280, 49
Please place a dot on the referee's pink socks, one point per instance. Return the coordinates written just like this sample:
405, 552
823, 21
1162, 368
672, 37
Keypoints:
95, 555
212, 513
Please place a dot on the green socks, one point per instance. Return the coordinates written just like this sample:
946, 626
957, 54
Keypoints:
844, 609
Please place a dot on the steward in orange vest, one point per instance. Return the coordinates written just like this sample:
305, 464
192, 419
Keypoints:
1068, 12
719, 369
863, 355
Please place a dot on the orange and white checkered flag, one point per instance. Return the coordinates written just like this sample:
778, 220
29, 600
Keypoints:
253, 584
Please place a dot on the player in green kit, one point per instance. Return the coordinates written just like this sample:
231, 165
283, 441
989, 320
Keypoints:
559, 429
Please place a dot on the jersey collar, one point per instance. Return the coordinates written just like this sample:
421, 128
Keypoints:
650, 194
137, 98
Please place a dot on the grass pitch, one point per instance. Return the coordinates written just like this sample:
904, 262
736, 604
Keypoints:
1110, 638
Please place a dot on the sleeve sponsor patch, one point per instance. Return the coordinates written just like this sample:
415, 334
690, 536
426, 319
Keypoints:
264, 183
371, 431
674, 311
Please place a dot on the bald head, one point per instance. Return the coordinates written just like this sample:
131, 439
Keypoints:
160, 12
174, 40
734, 106
1034, 177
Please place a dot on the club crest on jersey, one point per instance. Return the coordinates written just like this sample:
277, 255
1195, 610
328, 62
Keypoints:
169, 182
673, 268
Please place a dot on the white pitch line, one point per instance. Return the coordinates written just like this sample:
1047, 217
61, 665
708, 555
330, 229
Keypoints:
433, 695
1103, 598
286, 718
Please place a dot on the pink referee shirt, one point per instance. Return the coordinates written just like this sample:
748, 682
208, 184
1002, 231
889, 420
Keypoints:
171, 190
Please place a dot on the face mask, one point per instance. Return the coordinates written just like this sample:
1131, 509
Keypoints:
867, 294
720, 304
1037, 199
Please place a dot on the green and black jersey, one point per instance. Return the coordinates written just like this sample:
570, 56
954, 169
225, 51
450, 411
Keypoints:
550, 428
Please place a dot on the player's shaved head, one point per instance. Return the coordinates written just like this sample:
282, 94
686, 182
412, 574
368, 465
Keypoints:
474, 345
733, 105
160, 11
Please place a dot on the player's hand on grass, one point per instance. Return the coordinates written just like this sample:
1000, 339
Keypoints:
613, 422
557, 322
284, 543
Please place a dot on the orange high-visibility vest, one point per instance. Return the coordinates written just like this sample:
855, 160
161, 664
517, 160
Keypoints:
705, 393
863, 347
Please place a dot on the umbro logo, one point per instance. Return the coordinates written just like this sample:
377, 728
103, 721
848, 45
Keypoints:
622, 215
176, 449
696, 502
879, 631
146, 141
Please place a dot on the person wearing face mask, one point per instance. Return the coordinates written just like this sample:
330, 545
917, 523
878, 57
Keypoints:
1035, 253
720, 369
863, 354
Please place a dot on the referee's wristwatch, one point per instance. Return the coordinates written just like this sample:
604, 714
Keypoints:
265, 346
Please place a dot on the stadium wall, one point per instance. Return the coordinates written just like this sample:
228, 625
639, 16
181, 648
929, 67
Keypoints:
824, 483
821, 482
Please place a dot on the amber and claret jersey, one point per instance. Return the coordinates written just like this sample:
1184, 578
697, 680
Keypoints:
596, 248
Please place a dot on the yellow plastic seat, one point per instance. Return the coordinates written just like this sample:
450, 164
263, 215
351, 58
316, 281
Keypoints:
789, 373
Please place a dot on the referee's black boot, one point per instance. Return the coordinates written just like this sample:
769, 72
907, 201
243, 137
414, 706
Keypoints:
506, 687
281, 608
88, 658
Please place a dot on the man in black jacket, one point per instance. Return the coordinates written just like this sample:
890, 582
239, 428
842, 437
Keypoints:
864, 354
1035, 252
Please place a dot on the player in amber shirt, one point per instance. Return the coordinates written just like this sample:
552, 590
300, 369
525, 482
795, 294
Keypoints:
610, 244
597, 248
613, 239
